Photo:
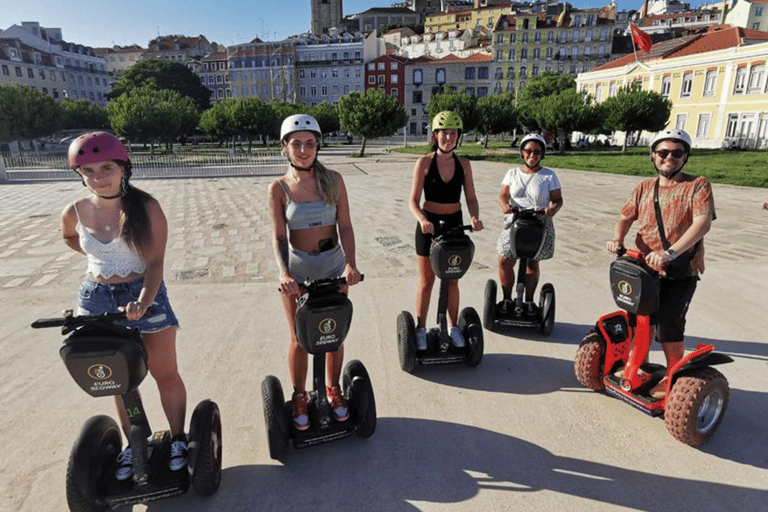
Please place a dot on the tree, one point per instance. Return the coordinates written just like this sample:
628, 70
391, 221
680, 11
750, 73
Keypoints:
634, 110
565, 112
163, 74
249, 117
371, 114
461, 102
218, 121
280, 110
497, 114
537, 88
83, 114
26, 113
327, 117
149, 115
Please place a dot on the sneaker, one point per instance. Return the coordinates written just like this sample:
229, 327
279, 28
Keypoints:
179, 454
456, 337
125, 465
300, 413
421, 338
338, 404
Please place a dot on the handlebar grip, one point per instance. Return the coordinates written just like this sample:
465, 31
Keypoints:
47, 322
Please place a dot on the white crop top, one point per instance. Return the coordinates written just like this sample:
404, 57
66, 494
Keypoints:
109, 259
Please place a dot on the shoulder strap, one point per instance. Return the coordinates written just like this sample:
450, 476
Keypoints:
285, 191
664, 242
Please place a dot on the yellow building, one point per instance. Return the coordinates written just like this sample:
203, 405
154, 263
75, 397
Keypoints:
480, 19
716, 82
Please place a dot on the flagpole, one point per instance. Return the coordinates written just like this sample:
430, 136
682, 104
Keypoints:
632, 37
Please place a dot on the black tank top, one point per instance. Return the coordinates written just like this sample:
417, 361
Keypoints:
437, 190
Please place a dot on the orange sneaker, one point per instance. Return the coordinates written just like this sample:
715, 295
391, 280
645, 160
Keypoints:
338, 404
300, 413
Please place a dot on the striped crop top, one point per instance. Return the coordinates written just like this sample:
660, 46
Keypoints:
109, 259
311, 214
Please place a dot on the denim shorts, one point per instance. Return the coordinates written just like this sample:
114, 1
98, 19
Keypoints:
95, 298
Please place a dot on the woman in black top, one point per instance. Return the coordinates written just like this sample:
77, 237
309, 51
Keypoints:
441, 175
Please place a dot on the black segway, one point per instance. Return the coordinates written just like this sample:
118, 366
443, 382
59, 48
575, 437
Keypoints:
106, 358
527, 232
450, 257
322, 323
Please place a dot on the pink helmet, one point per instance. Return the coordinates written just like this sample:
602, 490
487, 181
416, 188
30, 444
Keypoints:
96, 147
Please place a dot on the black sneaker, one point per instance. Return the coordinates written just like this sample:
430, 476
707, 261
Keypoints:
179, 453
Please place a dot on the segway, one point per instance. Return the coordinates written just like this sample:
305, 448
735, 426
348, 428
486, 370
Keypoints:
612, 356
450, 257
527, 232
107, 358
322, 323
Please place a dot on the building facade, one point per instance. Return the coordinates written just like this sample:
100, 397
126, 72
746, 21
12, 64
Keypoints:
749, 14
326, 14
264, 70
387, 73
119, 58
380, 17
214, 75
39, 58
716, 82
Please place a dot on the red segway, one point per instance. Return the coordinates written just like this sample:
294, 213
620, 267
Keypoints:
612, 356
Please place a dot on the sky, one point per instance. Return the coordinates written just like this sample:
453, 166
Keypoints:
111, 22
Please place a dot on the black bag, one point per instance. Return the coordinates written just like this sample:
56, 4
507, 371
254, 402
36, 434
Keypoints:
679, 267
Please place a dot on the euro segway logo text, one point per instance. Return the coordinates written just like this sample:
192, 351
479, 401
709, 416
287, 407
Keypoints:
327, 327
624, 287
454, 261
99, 372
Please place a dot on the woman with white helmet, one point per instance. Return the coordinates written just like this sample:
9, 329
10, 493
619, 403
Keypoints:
123, 232
312, 239
441, 176
529, 186
673, 243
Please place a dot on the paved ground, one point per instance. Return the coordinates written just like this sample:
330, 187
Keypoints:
515, 433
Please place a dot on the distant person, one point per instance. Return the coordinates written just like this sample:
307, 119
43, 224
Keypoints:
441, 176
765, 206
312, 239
673, 244
123, 232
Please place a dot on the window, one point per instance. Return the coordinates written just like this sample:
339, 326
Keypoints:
681, 121
324, 90
470, 91
563, 36
418, 76
469, 73
587, 52
380, 80
302, 91
603, 34
587, 36
741, 75
574, 53
243, 91
482, 91
575, 36
598, 93
417, 97
482, 73
510, 73
601, 52
755, 82
313, 90
666, 85
525, 37
685, 90
440, 75
709, 83
393, 92
393, 65
335, 73
550, 53
31, 74
536, 53
612, 89
371, 79
550, 37
537, 37
522, 71
563, 53
512, 37
6, 71
702, 128
381, 66
393, 78
524, 54
733, 122
512, 55
371, 66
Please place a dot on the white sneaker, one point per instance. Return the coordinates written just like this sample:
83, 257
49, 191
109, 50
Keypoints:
179, 454
456, 337
421, 338
125, 469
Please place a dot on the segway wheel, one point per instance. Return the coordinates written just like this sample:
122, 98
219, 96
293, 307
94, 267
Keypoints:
588, 362
469, 323
696, 406
406, 341
205, 448
547, 308
275, 417
91, 458
358, 389
489, 306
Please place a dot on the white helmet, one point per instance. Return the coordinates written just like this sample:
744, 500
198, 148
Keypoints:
299, 123
536, 138
675, 135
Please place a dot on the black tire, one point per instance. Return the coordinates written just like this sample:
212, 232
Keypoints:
588, 362
275, 417
359, 392
696, 405
489, 305
406, 341
205, 448
472, 330
547, 308
91, 458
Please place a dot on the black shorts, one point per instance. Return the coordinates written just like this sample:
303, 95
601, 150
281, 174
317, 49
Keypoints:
674, 298
424, 240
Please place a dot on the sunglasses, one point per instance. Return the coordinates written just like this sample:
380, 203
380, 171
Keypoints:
664, 153
536, 152
307, 145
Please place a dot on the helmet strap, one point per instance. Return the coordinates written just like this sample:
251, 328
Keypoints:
302, 169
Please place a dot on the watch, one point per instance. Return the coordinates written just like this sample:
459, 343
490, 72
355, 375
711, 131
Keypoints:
672, 253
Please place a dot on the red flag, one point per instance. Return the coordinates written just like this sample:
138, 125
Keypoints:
641, 39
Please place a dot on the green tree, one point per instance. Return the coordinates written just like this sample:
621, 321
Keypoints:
83, 114
633, 110
149, 115
250, 117
218, 121
565, 112
163, 74
461, 102
26, 113
327, 117
537, 88
280, 110
371, 114
497, 114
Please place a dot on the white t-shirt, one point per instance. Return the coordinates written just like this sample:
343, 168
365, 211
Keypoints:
530, 190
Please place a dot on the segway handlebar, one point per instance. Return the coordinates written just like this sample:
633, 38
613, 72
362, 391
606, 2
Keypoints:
310, 285
440, 229
69, 321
